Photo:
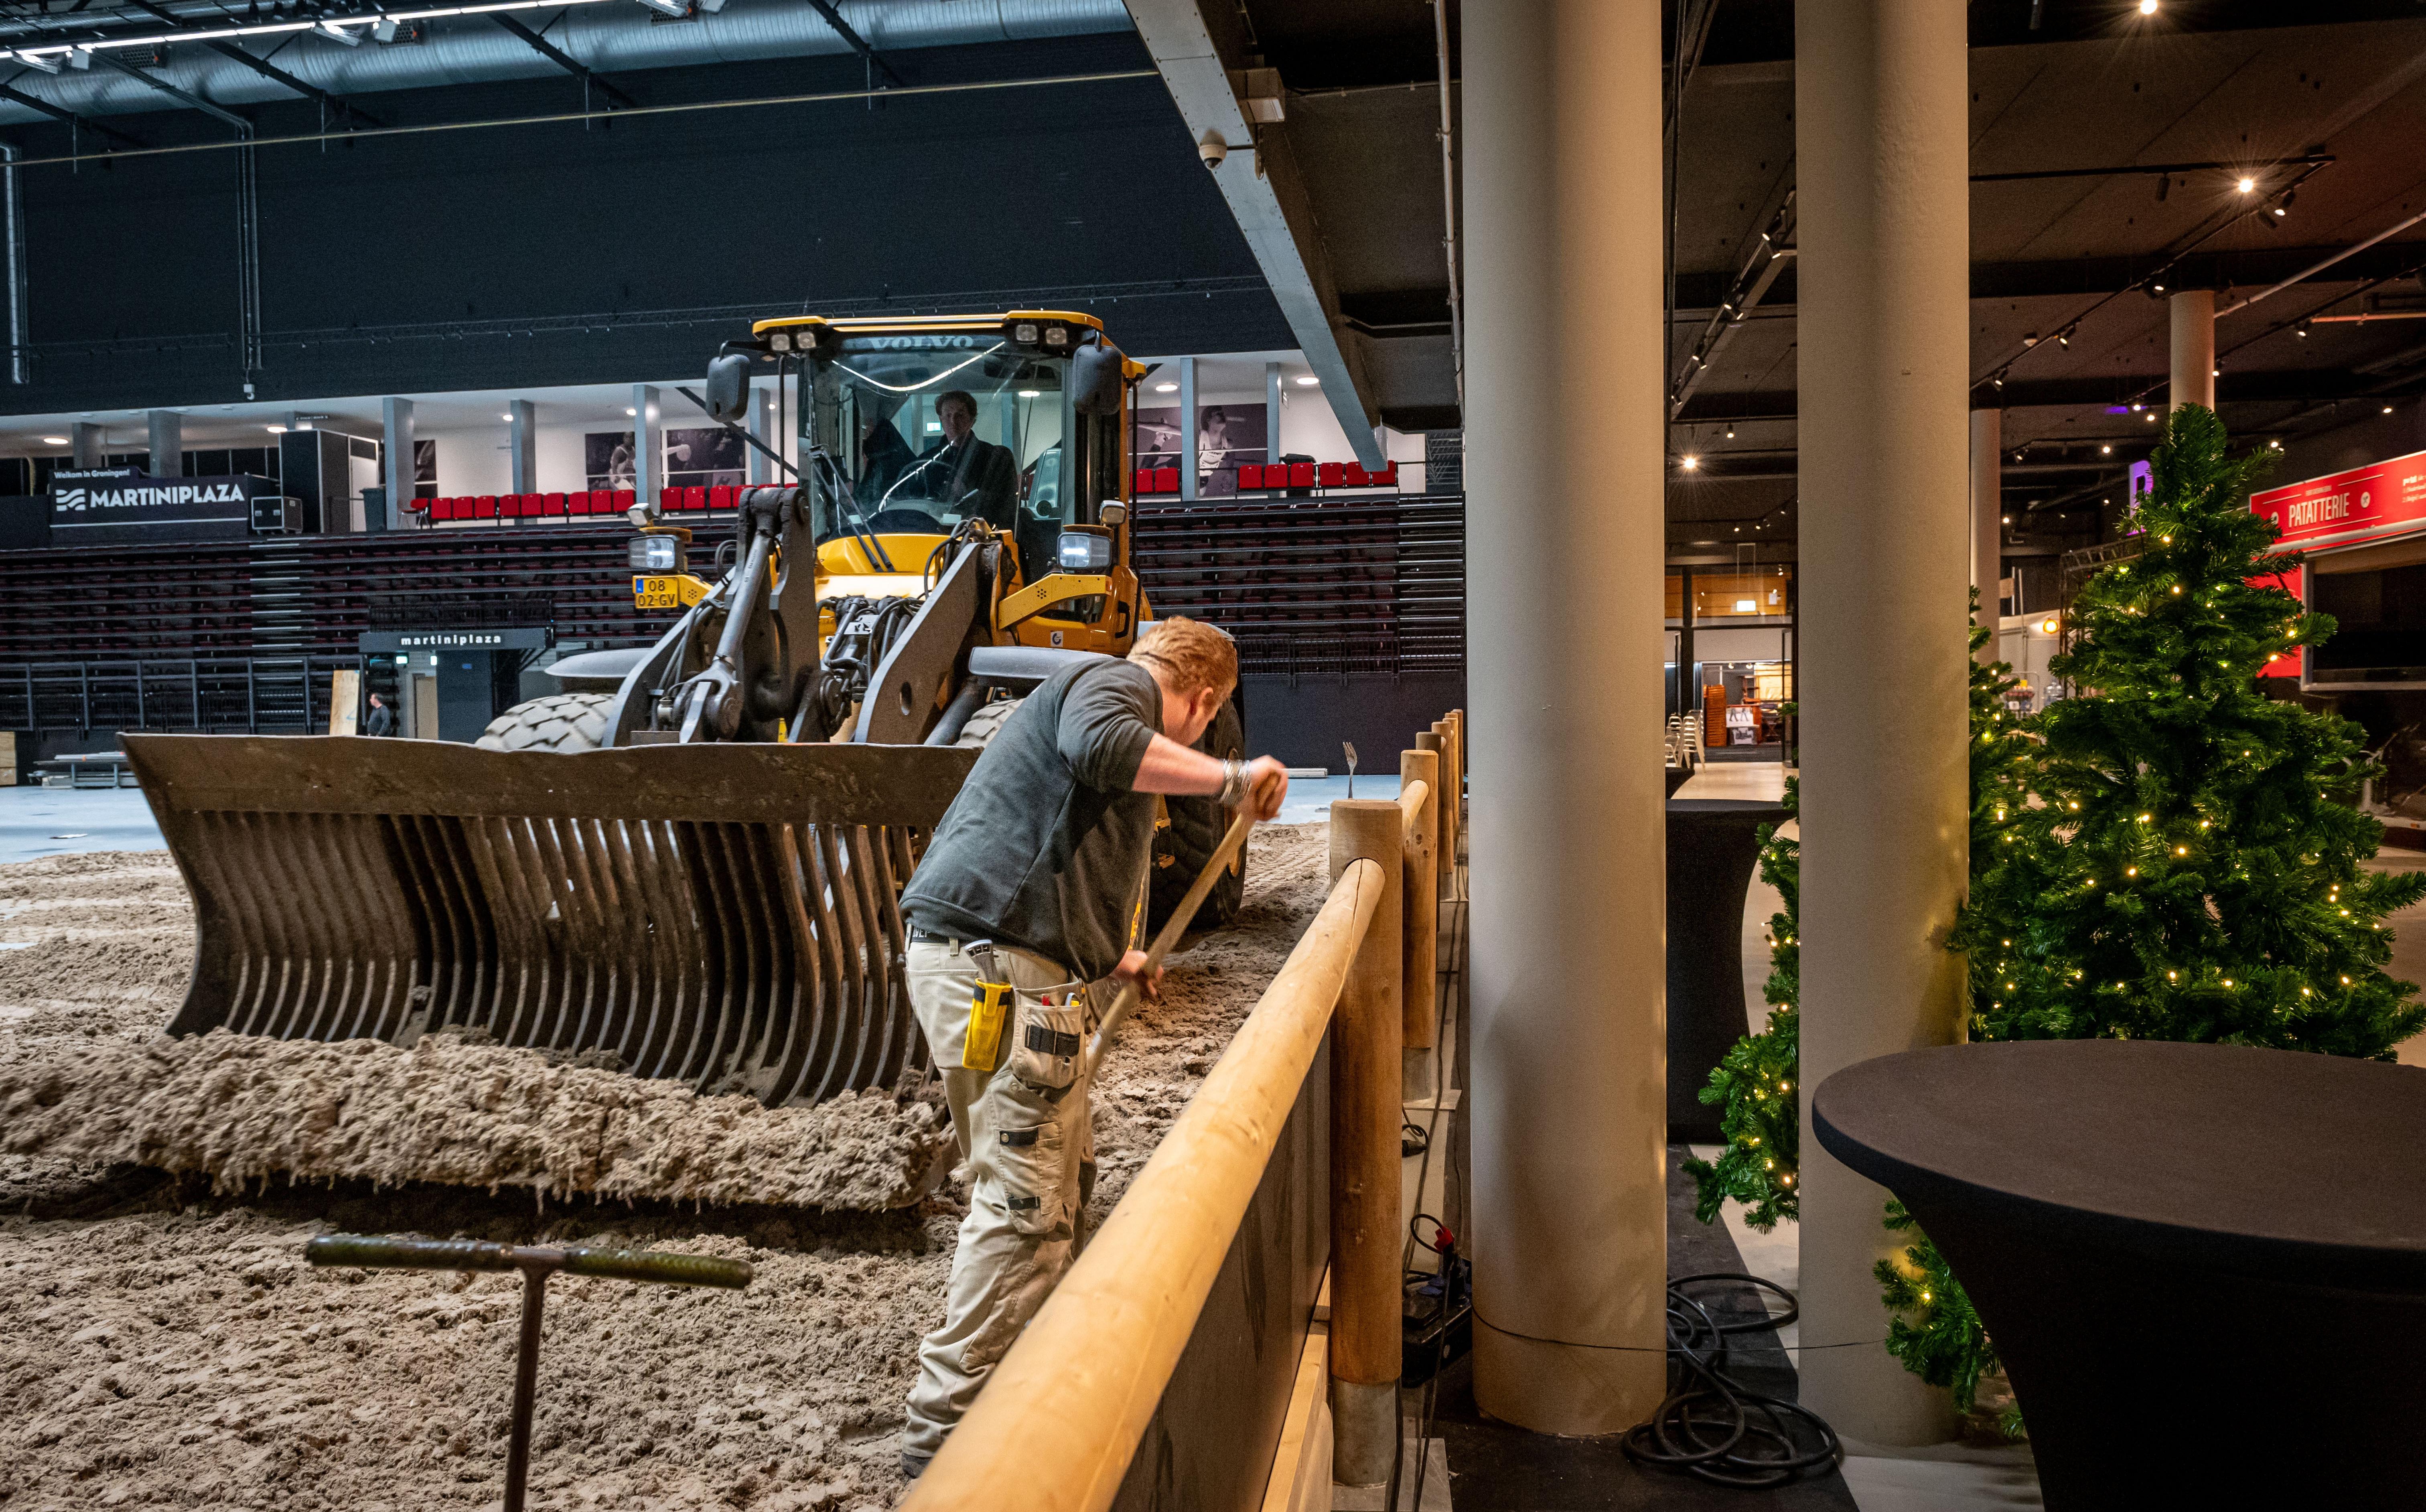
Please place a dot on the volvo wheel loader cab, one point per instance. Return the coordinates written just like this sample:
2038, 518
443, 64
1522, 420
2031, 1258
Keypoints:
723, 911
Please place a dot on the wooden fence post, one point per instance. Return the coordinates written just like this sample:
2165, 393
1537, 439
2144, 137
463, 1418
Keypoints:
1422, 885
1366, 1075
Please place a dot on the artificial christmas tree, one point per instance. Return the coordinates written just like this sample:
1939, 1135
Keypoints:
2180, 859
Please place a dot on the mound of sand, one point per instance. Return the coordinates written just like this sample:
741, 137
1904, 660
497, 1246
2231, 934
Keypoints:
241, 1109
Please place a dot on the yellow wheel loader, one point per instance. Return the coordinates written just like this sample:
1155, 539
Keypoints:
724, 909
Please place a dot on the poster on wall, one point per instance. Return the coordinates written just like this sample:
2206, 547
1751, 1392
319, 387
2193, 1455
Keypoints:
607, 459
705, 458
1228, 436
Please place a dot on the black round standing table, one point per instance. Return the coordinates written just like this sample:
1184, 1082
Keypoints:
2204, 1266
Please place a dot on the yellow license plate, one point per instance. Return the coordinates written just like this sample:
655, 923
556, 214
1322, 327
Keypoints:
656, 593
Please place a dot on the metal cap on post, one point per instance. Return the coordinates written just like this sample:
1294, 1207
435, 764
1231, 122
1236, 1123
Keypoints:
1365, 1175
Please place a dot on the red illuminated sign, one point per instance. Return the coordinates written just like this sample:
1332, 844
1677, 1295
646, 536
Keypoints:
2366, 504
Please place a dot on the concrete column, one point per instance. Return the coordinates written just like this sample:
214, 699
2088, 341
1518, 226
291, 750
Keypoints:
1987, 517
648, 444
522, 458
397, 419
1188, 428
1271, 411
2193, 312
1881, 129
762, 425
1566, 804
85, 445
168, 443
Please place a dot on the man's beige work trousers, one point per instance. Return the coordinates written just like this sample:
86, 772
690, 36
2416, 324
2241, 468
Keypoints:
1028, 1147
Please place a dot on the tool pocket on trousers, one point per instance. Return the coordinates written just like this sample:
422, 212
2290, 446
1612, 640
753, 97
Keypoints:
1027, 1168
1048, 1040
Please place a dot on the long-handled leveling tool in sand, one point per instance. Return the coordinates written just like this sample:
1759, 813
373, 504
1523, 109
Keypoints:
1172, 928
537, 1263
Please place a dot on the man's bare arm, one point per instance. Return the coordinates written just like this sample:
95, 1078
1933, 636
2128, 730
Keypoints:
1171, 767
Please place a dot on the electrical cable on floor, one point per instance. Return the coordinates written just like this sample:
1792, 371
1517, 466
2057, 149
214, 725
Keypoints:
1712, 1426
1407, 1251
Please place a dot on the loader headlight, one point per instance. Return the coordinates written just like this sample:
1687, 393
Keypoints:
780, 341
656, 554
1024, 333
1085, 552
1057, 336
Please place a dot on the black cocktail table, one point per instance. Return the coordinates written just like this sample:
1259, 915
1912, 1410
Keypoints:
2204, 1266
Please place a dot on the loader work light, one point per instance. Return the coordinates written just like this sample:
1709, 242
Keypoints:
1024, 333
1085, 552
780, 341
656, 554
1057, 335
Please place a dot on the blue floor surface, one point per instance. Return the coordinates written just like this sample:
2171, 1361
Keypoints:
53, 821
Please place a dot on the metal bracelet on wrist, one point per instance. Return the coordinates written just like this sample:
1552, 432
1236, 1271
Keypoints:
1233, 782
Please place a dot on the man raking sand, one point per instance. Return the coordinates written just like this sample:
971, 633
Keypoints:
1029, 891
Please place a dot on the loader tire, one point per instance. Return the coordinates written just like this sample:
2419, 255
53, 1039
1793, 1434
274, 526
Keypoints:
1189, 835
560, 721
986, 723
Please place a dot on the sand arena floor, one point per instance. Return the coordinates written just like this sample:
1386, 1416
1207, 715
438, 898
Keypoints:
161, 1344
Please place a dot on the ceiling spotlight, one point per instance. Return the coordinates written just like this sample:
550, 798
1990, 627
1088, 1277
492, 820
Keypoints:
2107, 450
2047, 627
1165, 388
1731, 433
339, 34
2008, 518
275, 430
1307, 380
1692, 462
2029, 338
2281, 211
2387, 409
2301, 330
2150, 417
630, 411
2245, 185
55, 441
2157, 288
506, 418
2147, 7
2135, 409
41, 62
2063, 338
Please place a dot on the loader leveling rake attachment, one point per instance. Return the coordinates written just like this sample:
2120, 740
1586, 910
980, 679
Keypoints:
725, 914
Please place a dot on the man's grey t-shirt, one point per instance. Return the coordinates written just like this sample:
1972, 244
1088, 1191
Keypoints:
1046, 846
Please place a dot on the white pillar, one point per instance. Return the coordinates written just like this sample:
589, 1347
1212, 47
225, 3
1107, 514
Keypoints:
1881, 113
2193, 348
1568, 812
397, 417
1188, 428
522, 458
168, 443
1271, 411
648, 444
87, 446
1988, 517
762, 425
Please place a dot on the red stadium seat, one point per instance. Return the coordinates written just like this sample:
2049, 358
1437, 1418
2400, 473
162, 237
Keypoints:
720, 496
1356, 475
1166, 480
554, 504
624, 499
694, 498
1387, 478
1251, 475
1331, 475
1301, 474
1143, 481
484, 508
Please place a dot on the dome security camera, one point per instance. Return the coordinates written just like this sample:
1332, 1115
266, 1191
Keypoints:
1212, 149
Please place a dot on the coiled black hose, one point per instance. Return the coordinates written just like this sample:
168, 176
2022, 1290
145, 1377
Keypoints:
1715, 1428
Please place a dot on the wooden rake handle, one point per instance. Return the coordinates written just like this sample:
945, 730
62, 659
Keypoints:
1172, 928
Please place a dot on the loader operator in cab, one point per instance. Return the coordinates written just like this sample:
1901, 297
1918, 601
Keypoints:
974, 477
1035, 881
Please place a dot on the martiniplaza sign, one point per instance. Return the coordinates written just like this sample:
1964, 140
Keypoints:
522, 637
127, 509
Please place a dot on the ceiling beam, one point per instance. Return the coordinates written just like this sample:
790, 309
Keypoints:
191, 101
1267, 194
34, 102
2092, 277
236, 54
857, 45
562, 59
